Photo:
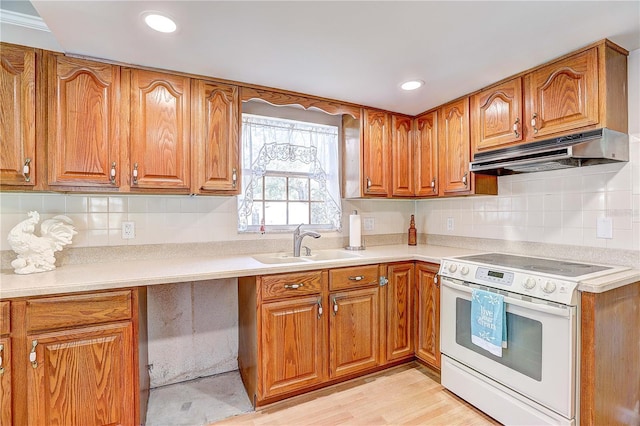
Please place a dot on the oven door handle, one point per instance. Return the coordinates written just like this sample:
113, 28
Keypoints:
553, 310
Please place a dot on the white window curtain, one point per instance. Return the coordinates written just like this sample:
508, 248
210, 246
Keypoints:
279, 145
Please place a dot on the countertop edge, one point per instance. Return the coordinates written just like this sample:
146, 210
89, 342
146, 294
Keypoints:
137, 273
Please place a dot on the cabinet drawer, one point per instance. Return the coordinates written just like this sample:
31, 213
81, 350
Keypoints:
5, 324
77, 310
290, 285
357, 276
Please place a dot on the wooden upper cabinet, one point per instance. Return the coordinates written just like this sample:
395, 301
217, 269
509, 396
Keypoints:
18, 116
83, 123
496, 116
425, 157
563, 96
454, 148
376, 154
402, 155
160, 132
215, 135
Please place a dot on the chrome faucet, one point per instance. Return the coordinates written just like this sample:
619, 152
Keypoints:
297, 239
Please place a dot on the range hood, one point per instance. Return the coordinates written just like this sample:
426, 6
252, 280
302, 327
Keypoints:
580, 149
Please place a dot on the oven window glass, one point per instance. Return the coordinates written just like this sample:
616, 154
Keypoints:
524, 341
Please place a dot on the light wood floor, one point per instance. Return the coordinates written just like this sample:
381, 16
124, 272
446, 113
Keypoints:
406, 395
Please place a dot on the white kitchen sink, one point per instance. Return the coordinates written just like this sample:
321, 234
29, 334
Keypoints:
275, 258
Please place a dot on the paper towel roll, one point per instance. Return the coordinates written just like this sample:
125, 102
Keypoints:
355, 229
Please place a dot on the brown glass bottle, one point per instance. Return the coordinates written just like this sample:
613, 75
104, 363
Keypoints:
413, 233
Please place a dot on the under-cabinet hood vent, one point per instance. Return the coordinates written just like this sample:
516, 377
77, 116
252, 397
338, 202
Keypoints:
576, 150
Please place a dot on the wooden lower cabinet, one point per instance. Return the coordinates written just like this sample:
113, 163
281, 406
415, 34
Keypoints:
292, 345
82, 377
5, 381
427, 338
353, 331
399, 311
79, 359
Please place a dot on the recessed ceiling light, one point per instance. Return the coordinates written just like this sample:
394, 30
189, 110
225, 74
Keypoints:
412, 84
160, 22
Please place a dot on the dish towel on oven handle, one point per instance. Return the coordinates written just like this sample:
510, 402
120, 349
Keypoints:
488, 321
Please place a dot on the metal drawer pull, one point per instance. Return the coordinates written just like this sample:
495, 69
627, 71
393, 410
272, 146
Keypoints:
234, 177
515, 128
464, 179
433, 185
112, 175
533, 122
135, 173
319, 308
368, 182
26, 170
1, 353
356, 278
335, 306
293, 286
32, 354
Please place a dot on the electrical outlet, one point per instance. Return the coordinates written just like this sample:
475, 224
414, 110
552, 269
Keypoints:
128, 230
604, 227
449, 224
369, 223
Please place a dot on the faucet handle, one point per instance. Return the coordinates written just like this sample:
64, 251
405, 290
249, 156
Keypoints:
297, 230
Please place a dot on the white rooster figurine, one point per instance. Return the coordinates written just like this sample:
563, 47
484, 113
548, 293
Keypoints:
35, 254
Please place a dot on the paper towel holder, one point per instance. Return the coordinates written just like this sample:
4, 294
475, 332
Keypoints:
353, 247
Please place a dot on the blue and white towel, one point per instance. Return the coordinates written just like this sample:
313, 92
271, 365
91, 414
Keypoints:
488, 321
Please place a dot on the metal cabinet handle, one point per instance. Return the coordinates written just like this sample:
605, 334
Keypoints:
319, 303
1, 366
234, 177
293, 286
435, 281
534, 119
335, 306
515, 128
135, 173
32, 354
383, 281
112, 174
433, 185
26, 170
356, 278
464, 179
368, 182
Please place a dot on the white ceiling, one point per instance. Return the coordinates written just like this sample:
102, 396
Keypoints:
356, 51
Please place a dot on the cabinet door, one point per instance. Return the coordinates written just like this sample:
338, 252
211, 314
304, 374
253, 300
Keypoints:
400, 311
496, 116
428, 313
17, 115
376, 153
353, 331
5, 381
292, 345
83, 117
215, 124
562, 96
425, 155
403, 156
454, 148
160, 120
82, 376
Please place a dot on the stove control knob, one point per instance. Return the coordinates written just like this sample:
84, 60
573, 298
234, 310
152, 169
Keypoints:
453, 267
529, 283
549, 287
464, 270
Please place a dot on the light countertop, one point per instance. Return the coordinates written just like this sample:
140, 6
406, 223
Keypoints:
111, 275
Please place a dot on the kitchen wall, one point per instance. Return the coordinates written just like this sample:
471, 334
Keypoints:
556, 207
193, 326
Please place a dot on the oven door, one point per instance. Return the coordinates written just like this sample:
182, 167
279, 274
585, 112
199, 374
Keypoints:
539, 360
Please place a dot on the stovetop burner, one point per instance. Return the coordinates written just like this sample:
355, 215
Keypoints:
535, 264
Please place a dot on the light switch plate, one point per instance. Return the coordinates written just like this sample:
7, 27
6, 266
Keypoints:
604, 227
449, 224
